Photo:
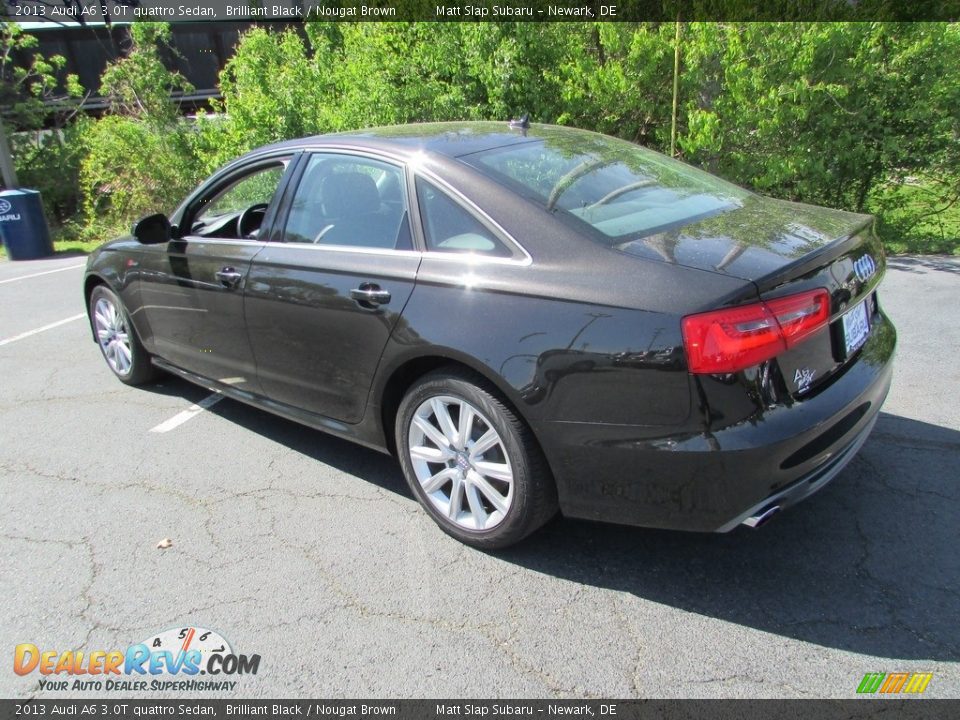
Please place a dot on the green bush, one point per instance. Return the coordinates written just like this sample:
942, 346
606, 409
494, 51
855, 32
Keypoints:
49, 161
132, 168
140, 158
861, 116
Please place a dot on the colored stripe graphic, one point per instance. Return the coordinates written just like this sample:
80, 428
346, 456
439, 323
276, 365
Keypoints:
892, 683
871, 682
918, 683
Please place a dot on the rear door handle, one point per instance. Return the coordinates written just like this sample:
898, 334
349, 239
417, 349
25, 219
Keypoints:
228, 277
370, 295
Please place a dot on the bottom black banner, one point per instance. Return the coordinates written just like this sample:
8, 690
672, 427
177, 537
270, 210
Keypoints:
913, 709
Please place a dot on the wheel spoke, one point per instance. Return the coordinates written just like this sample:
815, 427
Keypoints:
498, 501
102, 334
118, 357
497, 471
102, 321
124, 351
467, 414
435, 482
476, 506
485, 442
428, 429
456, 497
429, 454
444, 420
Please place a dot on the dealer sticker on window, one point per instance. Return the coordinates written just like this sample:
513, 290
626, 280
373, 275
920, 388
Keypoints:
856, 327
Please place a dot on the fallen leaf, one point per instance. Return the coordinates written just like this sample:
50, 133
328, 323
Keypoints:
164, 544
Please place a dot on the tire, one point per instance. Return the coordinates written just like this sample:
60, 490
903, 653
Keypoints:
503, 486
117, 338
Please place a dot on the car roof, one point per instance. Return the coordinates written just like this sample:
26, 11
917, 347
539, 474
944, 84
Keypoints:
452, 139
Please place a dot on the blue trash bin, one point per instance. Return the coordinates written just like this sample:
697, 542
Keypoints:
23, 225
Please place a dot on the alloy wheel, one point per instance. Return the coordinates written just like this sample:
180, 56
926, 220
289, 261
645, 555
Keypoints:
113, 336
461, 462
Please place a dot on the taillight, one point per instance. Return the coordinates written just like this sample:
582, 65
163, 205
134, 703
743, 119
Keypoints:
800, 316
725, 341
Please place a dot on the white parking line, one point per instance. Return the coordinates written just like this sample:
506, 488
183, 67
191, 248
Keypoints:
27, 334
192, 411
45, 272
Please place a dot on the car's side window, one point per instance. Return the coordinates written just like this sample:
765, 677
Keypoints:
350, 200
450, 228
237, 209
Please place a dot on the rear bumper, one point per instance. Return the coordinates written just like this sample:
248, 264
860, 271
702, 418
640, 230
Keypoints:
714, 479
804, 487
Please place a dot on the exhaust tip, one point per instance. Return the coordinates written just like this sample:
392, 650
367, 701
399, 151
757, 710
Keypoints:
762, 518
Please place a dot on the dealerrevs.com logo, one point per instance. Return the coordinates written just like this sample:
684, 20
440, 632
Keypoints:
174, 659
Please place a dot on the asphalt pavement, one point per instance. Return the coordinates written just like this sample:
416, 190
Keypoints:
311, 552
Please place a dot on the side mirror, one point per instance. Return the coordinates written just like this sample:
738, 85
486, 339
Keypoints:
152, 229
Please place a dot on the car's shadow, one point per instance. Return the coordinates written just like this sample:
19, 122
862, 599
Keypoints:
869, 565
918, 263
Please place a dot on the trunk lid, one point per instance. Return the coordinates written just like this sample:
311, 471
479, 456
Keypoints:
785, 248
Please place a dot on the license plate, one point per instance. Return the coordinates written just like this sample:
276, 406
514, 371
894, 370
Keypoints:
856, 327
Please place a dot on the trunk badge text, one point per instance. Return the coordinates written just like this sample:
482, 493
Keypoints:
803, 378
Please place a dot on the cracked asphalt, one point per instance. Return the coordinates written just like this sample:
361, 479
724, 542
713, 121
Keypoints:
311, 552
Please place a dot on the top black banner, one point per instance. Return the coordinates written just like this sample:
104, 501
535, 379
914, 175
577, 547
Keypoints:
91, 12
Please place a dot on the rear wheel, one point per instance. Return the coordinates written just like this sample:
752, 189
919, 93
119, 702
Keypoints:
117, 338
471, 463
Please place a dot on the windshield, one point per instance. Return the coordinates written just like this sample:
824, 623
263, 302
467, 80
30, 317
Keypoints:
621, 191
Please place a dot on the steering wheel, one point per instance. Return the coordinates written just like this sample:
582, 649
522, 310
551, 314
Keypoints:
250, 219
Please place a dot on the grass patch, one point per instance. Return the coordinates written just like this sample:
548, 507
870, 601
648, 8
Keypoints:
67, 240
918, 218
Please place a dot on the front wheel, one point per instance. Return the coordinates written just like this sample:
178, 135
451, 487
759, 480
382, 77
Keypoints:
117, 338
472, 464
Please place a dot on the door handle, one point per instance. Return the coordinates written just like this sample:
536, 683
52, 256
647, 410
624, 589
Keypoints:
228, 277
370, 295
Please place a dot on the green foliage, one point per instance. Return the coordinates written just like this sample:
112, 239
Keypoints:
272, 91
618, 79
138, 85
917, 217
860, 116
38, 115
30, 92
139, 158
49, 160
822, 112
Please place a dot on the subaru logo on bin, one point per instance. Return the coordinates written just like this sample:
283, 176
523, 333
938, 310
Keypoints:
23, 226
864, 268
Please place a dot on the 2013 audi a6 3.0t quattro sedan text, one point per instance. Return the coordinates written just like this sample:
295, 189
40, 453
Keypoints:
530, 318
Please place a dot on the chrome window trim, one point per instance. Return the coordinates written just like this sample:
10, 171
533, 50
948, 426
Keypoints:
218, 241
464, 258
346, 248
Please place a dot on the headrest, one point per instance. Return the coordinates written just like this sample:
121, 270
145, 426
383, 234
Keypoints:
349, 194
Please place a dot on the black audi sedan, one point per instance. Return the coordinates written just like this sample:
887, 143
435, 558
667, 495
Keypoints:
529, 318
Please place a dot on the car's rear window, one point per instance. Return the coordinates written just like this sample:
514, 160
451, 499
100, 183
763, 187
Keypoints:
621, 191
